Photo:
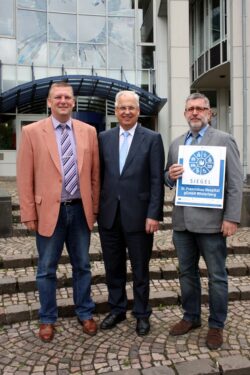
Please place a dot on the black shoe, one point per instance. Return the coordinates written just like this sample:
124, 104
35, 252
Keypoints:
112, 320
142, 326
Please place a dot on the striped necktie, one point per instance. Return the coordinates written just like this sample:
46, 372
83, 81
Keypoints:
68, 161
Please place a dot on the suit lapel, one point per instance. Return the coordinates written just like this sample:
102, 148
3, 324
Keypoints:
80, 144
205, 140
115, 148
50, 141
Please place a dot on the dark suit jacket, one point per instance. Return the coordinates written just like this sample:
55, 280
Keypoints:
209, 220
140, 187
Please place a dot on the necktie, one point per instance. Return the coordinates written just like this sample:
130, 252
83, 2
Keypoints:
68, 161
124, 150
195, 139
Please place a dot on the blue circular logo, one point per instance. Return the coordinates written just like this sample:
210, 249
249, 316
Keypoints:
201, 162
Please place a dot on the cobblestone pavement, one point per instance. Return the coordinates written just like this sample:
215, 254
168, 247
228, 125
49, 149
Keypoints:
73, 352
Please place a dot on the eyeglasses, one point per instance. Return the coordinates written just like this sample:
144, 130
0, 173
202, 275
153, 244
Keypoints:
129, 108
197, 109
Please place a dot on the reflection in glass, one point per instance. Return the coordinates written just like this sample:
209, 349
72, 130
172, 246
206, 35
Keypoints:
92, 6
9, 77
8, 50
7, 135
92, 55
92, 29
31, 37
62, 54
121, 42
146, 57
7, 18
121, 7
215, 20
62, 27
62, 6
145, 18
32, 4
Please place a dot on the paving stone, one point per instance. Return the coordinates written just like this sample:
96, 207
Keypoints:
26, 283
234, 365
169, 272
244, 291
161, 370
239, 269
17, 313
8, 285
124, 372
197, 367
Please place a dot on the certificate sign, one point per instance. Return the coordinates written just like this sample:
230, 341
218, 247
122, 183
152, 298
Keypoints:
203, 180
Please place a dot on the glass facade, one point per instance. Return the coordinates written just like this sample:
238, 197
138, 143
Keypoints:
40, 38
208, 35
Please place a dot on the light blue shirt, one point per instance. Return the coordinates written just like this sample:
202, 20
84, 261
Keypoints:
170, 183
58, 131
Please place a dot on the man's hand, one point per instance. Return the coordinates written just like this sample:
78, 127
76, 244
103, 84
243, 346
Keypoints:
175, 171
151, 225
228, 228
31, 225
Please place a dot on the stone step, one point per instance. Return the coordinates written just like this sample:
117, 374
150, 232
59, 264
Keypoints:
20, 230
17, 252
24, 306
19, 279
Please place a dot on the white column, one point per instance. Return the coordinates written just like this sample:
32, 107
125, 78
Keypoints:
178, 64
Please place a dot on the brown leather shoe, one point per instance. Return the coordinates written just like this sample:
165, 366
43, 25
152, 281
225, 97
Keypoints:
183, 327
214, 338
46, 332
89, 326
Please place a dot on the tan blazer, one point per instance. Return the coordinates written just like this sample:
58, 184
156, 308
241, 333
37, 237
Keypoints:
39, 175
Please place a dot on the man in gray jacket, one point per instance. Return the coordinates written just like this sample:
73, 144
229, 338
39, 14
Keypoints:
203, 231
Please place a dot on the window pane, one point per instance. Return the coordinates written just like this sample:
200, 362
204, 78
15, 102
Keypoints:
145, 20
92, 7
92, 55
215, 20
146, 57
9, 77
62, 54
122, 7
121, 42
62, 6
62, 27
31, 37
8, 51
7, 18
92, 29
32, 4
23, 74
7, 135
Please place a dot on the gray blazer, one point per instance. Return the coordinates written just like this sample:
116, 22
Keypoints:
209, 220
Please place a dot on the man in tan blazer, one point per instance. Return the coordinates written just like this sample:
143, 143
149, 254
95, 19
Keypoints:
58, 185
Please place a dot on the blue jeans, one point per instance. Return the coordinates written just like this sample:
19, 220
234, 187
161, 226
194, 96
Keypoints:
72, 230
212, 246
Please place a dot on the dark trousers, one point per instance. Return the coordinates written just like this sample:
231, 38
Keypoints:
114, 242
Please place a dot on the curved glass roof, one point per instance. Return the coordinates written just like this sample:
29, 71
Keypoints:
31, 97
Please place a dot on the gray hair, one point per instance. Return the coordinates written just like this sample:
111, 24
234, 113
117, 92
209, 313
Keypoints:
198, 95
126, 92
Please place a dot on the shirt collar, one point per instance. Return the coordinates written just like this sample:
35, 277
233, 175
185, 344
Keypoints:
200, 133
131, 131
57, 123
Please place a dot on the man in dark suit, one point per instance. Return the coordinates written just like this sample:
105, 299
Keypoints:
131, 206
203, 231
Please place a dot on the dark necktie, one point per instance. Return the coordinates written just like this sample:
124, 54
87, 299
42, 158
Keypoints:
68, 161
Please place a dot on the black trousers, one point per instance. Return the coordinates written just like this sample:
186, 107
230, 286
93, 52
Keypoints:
114, 243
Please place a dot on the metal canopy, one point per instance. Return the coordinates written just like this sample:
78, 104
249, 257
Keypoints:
31, 97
